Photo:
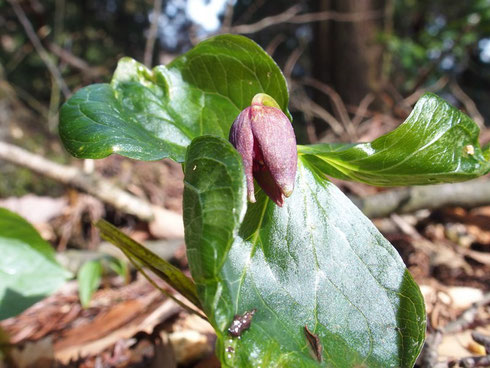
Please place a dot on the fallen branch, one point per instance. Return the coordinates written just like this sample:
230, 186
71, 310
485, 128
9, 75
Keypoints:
164, 223
469, 194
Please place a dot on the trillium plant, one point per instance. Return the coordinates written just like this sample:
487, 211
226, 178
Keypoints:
285, 267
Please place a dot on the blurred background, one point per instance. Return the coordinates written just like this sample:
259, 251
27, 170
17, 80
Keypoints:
379, 55
354, 69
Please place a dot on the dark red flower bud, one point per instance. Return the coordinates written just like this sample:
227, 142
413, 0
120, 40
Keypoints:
265, 138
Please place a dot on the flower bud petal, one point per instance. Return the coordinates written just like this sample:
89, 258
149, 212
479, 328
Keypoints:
242, 139
264, 136
274, 136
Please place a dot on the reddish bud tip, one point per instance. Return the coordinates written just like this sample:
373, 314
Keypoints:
264, 136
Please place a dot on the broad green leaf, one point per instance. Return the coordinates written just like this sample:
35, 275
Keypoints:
317, 262
437, 143
214, 174
144, 257
151, 114
88, 277
28, 269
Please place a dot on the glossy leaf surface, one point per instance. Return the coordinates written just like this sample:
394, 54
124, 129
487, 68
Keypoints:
317, 262
28, 269
437, 143
151, 114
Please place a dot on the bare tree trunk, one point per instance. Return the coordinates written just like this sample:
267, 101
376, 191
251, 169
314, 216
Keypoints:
347, 55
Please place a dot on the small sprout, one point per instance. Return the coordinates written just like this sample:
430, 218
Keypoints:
315, 344
241, 323
469, 150
265, 139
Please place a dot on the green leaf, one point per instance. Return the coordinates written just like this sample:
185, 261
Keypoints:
89, 277
317, 262
151, 114
166, 271
119, 266
28, 269
436, 144
486, 152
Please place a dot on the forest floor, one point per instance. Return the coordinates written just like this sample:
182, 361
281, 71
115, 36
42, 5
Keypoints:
129, 323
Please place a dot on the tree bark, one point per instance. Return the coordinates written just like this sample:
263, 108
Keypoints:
347, 55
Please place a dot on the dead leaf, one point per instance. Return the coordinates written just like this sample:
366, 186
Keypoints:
35, 209
167, 224
37, 354
164, 353
189, 345
456, 346
128, 324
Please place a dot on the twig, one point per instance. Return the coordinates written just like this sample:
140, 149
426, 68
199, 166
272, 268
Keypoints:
467, 317
301, 102
43, 54
429, 356
76, 62
92, 184
310, 129
27, 98
337, 17
54, 105
468, 194
276, 41
249, 12
361, 110
266, 22
291, 16
228, 18
338, 104
152, 32
437, 86
472, 362
306, 105
292, 60
468, 103
475, 361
